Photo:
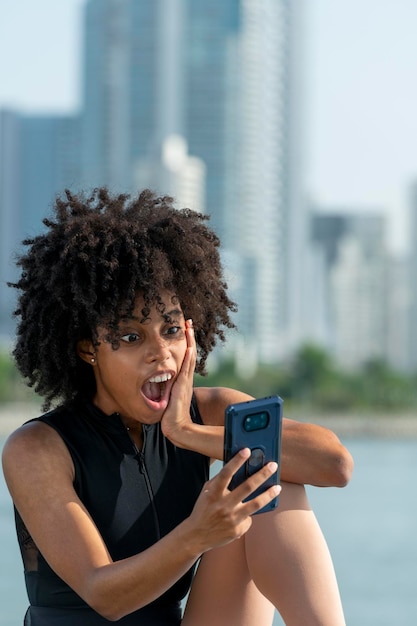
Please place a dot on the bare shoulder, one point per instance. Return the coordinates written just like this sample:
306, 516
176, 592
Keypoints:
39, 474
212, 402
35, 452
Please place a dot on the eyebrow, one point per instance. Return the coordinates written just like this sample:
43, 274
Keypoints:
174, 313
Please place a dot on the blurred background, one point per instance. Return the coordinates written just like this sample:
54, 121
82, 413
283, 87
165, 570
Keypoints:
292, 124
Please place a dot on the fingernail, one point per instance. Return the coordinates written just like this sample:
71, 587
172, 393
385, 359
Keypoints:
190, 323
272, 466
245, 452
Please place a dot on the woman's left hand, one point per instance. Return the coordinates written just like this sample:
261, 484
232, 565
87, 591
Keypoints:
176, 417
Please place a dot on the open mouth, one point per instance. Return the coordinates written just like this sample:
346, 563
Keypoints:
155, 388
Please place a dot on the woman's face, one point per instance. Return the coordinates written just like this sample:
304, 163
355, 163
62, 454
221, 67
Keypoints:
135, 380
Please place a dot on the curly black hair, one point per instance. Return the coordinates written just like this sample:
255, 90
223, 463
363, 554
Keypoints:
96, 256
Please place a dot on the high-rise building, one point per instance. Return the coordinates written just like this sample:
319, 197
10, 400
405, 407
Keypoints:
265, 216
355, 264
399, 295
174, 171
9, 217
412, 274
39, 157
226, 76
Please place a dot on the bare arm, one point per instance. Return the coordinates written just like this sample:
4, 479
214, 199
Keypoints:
39, 473
311, 454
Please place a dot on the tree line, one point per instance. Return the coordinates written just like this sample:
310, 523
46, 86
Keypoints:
310, 379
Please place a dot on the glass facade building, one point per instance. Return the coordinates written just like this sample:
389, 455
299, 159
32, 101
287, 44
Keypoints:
224, 75
39, 157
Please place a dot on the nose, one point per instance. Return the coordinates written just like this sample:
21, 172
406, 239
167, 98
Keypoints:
158, 350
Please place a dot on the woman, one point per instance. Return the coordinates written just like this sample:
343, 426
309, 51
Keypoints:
120, 302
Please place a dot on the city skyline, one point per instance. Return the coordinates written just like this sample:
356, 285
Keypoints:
149, 74
226, 76
361, 133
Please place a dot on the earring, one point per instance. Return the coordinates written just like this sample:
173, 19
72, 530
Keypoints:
93, 360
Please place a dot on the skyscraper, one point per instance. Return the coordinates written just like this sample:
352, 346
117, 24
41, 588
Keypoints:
39, 157
174, 171
412, 276
225, 75
265, 214
355, 278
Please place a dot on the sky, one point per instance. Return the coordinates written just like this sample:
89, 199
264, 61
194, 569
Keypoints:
360, 93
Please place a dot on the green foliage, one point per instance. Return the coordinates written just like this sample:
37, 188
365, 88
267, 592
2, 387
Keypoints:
379, 386
12, 387
312, 380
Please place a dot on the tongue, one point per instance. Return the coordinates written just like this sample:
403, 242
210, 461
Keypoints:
152, 391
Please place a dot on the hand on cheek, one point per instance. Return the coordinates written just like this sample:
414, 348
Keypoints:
191, 351
177, 413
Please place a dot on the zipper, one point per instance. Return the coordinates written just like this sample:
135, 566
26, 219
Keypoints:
140, 457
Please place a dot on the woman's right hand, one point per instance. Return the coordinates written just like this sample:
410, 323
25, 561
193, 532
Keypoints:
220, 515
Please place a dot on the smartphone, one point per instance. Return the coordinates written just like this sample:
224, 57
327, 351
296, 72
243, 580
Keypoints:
255, 424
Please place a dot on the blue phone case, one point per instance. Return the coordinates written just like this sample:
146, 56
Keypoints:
255, 424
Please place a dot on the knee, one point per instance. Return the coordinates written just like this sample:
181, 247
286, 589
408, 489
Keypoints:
293, 496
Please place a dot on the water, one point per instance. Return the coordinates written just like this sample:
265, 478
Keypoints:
371, 529
370, 526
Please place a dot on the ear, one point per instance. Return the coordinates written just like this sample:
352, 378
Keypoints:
86, 351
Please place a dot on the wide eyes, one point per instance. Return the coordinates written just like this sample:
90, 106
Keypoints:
173, 330
134, 337
130, 337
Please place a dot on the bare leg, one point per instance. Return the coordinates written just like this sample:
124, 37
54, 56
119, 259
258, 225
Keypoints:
223, 593
288, 559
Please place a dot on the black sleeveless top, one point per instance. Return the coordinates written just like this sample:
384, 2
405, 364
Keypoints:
134, 497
